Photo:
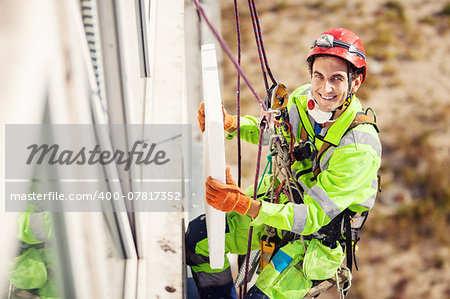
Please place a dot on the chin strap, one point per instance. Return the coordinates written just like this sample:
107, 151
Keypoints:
349, 93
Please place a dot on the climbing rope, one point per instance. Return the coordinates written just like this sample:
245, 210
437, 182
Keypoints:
227, 51
255, 254
255, 195
260, 45
264, 67
238, 107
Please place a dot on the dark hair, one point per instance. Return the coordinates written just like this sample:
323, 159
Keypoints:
354, 71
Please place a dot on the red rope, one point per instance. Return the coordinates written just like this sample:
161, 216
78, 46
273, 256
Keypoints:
238, 91
260, 45
264, 65
255, 195
227, 51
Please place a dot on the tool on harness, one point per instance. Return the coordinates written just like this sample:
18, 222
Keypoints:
276, 100
267, 247
343, 290
279, 97
343, 229
304, 150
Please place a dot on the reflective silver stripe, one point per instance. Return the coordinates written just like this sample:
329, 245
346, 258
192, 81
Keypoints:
266, 136
326, 157
300, 216
303, 185
368, 204
361, 137
37, 226
294, 115
324, 201
204, 280
305, 91
294, 119
353, 137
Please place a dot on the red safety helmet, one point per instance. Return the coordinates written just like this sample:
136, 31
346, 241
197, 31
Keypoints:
342, 43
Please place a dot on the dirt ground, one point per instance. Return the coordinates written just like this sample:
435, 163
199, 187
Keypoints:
405, 253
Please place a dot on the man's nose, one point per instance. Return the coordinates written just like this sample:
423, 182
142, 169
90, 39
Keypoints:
327, 86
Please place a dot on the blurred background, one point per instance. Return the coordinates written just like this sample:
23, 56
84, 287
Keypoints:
138, 62
404, 248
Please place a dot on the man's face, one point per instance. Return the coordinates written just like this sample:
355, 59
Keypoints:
330, 83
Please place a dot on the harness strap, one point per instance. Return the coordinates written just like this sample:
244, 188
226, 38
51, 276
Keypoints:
348, 245
360, 118
303, 134
323, 148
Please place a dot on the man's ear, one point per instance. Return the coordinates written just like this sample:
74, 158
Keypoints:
356, 83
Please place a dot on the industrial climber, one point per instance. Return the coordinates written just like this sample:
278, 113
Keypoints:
337, 176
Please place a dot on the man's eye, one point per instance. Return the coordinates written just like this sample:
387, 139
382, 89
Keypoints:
338, 78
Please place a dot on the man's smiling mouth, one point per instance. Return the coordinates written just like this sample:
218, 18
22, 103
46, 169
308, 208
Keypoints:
327, 98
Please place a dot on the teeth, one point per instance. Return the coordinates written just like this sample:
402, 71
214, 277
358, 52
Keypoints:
327, 98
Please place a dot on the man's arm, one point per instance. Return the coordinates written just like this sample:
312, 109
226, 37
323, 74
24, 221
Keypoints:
350, 180
255, 207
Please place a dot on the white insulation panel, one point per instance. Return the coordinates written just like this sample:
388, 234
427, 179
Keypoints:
214, 152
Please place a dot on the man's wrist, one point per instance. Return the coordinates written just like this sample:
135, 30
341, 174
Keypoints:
255, 207
233, 126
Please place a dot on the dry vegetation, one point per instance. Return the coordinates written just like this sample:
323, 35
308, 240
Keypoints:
405, 246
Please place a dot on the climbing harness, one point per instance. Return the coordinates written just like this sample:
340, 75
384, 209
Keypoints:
344, 228
302, 150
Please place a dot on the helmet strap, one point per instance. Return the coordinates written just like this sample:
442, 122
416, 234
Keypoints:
349, 78
349, 91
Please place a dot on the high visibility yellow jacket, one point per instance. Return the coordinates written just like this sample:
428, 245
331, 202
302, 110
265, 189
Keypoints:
348, 180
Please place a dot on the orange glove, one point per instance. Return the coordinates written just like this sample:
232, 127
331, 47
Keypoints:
227, 197
229, 122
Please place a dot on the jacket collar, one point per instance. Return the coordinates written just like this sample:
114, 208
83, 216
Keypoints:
338, 128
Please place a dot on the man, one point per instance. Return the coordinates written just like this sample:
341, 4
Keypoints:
340, 178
